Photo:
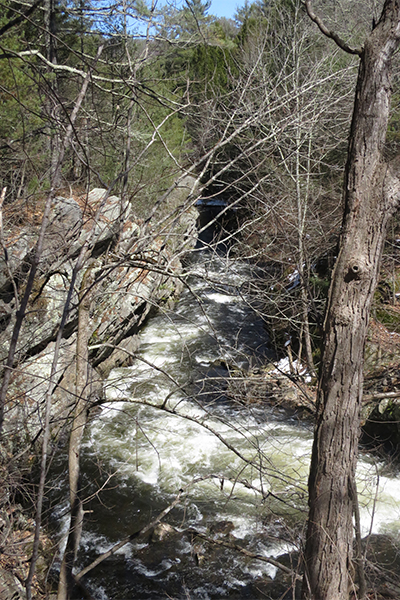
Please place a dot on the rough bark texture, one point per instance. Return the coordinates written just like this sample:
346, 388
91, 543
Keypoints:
371, 195
66, 581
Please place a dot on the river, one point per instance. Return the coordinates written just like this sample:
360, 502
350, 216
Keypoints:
168, 426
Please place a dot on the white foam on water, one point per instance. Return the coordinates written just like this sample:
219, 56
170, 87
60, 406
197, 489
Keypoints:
167, 335
169, 452
147, 446
221, 298
165, 565
99, 592
201, 593
378, 499
202, 360
259, 568
102, 545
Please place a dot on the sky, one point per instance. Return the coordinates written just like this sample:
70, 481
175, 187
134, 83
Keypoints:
219, 8
224, 8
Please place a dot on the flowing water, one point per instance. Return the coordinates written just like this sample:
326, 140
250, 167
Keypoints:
242, 471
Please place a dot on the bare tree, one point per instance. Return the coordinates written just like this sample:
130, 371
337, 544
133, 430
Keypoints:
281, 168
371, 194
77, 430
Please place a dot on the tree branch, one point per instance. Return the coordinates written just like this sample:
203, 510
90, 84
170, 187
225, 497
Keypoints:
330, 34
380, 396
253, 555
21, 17
129, 538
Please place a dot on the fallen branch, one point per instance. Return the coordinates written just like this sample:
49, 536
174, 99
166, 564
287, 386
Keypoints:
129, 538
380, 396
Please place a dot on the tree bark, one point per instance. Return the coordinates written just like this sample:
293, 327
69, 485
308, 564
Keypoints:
371, 192
66, 581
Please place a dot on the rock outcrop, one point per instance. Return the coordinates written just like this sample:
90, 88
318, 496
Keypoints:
129, 269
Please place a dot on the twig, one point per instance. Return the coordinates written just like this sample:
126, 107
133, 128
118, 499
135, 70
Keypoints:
3, 245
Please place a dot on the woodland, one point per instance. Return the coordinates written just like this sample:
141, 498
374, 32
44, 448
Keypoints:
115, 119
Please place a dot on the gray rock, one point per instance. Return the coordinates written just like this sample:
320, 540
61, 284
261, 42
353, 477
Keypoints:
10, 587
127, 267
161, 532
106, 216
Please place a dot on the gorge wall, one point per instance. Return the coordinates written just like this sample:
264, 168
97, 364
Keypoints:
129, 269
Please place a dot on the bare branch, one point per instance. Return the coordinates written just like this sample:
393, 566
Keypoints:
129, 538
330, 34
245, 552
4, 247
380, 396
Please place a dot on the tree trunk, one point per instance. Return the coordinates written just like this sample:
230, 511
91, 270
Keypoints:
77, 430
53, 106
371, 195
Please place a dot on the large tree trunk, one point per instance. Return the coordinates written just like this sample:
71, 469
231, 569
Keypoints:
371, 195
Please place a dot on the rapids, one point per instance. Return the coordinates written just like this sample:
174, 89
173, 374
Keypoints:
167, 426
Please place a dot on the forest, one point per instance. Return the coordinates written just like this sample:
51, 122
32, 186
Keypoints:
199, 292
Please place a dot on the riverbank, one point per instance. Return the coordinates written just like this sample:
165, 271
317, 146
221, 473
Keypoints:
286, 384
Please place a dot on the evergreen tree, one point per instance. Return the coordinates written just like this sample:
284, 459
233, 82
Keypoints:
194, 16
